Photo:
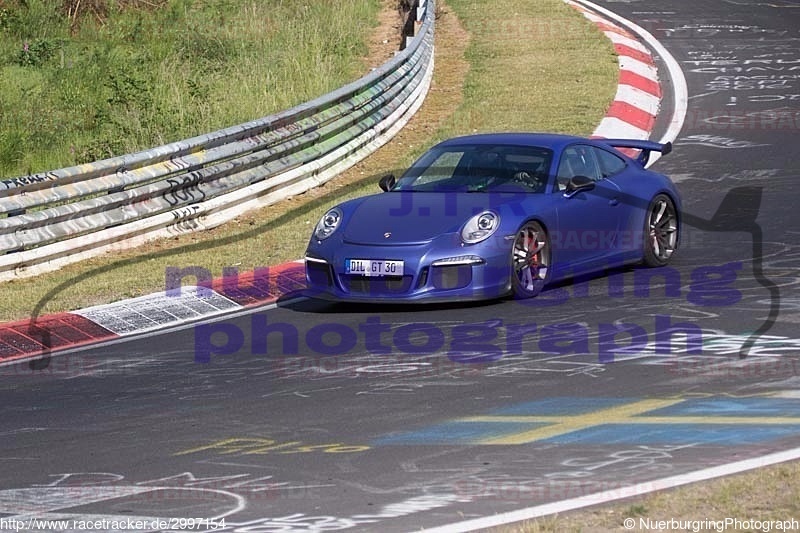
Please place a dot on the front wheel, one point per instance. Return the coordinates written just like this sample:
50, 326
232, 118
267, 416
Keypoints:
530, 261
660, 231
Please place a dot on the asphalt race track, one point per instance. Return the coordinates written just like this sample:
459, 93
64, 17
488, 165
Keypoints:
440, 414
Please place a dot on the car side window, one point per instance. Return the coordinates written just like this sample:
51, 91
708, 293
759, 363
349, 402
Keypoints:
610, 164
577, 160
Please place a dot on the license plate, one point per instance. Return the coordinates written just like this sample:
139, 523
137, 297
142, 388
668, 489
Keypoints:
373, 267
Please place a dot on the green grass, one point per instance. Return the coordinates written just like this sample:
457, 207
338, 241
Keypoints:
534, 66
137, 78
557, 77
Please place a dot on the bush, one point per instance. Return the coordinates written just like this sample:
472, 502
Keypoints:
12, 148
6, 18
98, 149
36, 53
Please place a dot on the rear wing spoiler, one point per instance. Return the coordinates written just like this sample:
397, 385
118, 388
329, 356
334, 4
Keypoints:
645, 146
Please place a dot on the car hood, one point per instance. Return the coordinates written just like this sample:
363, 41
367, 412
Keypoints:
410, 217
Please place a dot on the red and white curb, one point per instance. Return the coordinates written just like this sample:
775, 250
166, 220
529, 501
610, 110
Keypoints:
631, 115
639, 95
633, 112
41, 336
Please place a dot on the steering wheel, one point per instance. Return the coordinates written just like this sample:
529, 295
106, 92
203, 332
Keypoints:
531, 181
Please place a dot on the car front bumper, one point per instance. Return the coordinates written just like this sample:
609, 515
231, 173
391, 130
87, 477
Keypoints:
440, 271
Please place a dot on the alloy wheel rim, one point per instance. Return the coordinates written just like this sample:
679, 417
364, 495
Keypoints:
530, 256
663, 229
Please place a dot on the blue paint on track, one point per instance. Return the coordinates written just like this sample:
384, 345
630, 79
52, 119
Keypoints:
716, 431
780, 407
720, 434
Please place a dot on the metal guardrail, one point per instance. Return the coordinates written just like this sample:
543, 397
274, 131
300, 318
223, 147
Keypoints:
63, 216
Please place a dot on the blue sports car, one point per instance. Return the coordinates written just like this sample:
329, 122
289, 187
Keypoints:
491, 215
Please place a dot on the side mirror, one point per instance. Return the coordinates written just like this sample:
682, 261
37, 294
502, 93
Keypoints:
387, 182
577, 184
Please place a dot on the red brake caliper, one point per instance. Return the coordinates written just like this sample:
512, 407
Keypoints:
534, 262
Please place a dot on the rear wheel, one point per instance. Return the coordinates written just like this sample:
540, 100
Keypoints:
530, 260
661, 231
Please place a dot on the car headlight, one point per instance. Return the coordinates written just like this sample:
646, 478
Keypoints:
328, 223
480, 227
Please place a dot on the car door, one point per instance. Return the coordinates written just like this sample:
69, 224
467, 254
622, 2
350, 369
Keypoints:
633, 203
588, 220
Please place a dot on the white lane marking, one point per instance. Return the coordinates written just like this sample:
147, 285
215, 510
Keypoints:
595, 18
616, 494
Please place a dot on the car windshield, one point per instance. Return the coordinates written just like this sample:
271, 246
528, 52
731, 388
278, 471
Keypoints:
479, 168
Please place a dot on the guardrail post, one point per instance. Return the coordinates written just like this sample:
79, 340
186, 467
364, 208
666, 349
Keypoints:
411, 10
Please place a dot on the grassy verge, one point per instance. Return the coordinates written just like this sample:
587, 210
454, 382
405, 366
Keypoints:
550, 71
766, 494
81, 81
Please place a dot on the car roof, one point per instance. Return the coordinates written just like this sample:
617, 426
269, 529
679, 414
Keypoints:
554, 141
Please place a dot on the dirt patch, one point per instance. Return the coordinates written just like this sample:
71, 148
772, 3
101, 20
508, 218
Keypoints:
77, 10
385, 40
